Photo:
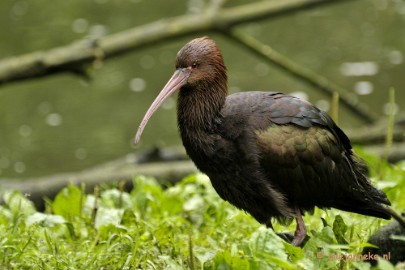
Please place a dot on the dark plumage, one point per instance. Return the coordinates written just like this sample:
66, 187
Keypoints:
270, 154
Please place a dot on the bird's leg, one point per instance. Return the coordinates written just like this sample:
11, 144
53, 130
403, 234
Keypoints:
300, 231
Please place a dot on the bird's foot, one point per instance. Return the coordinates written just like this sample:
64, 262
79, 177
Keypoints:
300, 236
289, 238
286, 236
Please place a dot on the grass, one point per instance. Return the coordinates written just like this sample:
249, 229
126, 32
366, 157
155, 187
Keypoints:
185, 226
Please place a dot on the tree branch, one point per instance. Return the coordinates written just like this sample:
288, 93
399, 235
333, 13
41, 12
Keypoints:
272, 56
74, 57
123, 169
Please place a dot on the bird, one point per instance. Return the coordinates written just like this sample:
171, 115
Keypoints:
272, 155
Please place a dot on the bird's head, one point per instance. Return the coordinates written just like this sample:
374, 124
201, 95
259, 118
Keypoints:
198, 63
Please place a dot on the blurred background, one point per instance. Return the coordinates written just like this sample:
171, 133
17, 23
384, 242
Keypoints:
63, 123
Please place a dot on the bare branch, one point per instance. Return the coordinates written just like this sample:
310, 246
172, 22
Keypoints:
268, 53
109, 173
215, 6
74, 57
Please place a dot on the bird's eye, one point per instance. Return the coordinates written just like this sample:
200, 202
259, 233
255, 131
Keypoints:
194, 65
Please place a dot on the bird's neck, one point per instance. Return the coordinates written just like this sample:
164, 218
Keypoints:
199, 107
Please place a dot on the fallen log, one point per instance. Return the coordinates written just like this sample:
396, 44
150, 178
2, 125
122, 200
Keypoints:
123, 169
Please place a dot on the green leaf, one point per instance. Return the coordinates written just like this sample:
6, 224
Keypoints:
116, 198
339, 229
385, 265
68, 202
18, 203
146, 195
45, 220
106, 216
268, 248
128, 218
225, 261
204, 255
294, 253
194, 209
326, 235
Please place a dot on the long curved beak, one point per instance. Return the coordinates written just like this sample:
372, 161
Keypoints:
178, 79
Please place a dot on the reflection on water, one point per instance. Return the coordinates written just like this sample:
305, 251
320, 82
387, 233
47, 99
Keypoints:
262, 69
137, 84
25, 130
395, 57
53, 119
363, 88
323, 104
169, 104
19, 167
80, 153
80, 25
147, 62
63, 123
359, 69
387, 108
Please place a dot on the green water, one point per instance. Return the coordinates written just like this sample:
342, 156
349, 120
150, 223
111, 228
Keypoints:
62, 123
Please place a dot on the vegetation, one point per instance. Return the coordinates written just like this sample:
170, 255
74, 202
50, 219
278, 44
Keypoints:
185, 226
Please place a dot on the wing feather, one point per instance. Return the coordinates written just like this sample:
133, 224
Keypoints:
310, 159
